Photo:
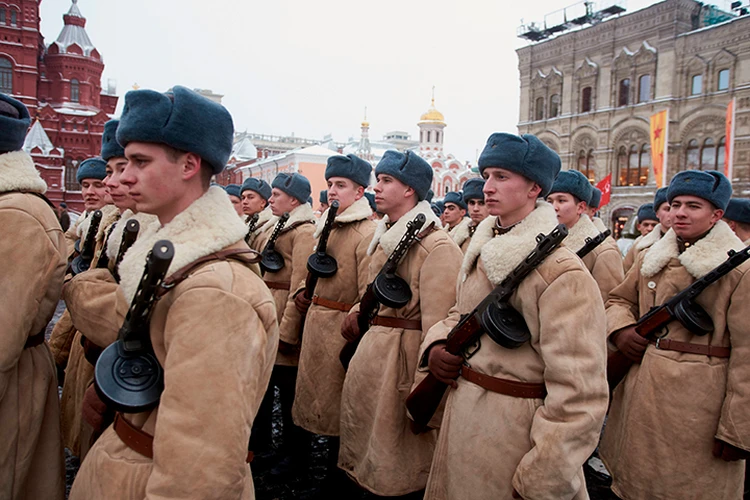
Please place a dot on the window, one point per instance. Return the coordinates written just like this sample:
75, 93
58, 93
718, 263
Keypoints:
554, 105
696, 85
74, 91
586, 100
723, 79
644, 88
624, 94
633, 164
437, 136
622, 166
71, 169
644, 165
692, 155
586, 164
6, 76
708, 155
13, 17
720, 153
539, 113
429, 135
2, 16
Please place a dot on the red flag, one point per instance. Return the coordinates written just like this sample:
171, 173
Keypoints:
729, 141
605, 186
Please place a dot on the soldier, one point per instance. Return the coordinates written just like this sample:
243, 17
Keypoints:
323, 200
378, 450
659, 211
320, 378
32, 251
520, 423
64, 216
214, 327
593, 210
474, 199
738, 218
569, 197
235, 196
90, 175
255, 194
294, 245
678, 426
454, 215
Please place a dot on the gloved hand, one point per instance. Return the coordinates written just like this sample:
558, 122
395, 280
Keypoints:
445, 366
301, 302
93, 409
630, 343
350, 328
728, 452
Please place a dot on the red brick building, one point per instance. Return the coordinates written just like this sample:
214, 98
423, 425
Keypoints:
60, 83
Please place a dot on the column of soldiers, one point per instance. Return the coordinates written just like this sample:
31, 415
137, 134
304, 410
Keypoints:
468, 357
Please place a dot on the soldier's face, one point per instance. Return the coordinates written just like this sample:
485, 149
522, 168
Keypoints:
692, 216
665, 218
237, 204
647, 226
391, 194
453, 214
252, 202
477, 210
116, 189
281, 202
94, 194
508, 194
566, 207
345, 191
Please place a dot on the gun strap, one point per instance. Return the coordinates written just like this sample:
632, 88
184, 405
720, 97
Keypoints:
278, 285
707, 350
331, 304
528, 390
34, 340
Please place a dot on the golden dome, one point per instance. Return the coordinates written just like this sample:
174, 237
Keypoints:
432, 115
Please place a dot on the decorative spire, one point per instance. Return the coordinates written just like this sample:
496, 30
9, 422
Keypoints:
74, 32
364, 150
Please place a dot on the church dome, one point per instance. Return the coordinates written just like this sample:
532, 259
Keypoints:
432, 115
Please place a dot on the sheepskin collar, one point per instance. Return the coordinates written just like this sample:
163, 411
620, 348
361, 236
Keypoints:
18, 173
388, 238
359, 210
303, 213
115, 237
263, 216
460, 232
699, 259
577, 234
501, 254
208, 225
648, 240
110, 215
599, 224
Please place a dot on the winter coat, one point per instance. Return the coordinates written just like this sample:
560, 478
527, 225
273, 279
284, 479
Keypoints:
215, 334
320, 378
378, 449
461, 234
260, 228
32, 252
295, 244
641, 243
490, 443
666, 412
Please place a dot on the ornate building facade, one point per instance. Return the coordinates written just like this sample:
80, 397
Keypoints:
589, 94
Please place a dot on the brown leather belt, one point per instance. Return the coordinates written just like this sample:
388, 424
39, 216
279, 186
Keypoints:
331, 304
278, 285
34, 340
513, 388
389, 322
139, 441
706, 350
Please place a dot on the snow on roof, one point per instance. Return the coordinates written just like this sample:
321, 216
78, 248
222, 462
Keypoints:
244, 150
74, 33
67, 110
37, 137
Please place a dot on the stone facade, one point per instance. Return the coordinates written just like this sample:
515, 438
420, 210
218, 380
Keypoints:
589, 94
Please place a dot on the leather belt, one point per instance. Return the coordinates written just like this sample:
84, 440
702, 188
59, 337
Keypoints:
278, 285
389, 322
139, 441
706, 350
34, 340
530, 390
331, 304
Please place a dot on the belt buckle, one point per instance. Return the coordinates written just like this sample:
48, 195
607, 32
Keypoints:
658, 343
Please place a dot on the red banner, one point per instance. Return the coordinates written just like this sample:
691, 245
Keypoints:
729, 141
605, 186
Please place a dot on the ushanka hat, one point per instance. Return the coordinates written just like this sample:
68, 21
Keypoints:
738, 210
233, 190
473, 189
596, 198
660, 197
14, 123
110, 147
710, 185
323, 198
573, 182
646, 212
456, 198
350, 167
258, 185
408, 168
92, 168
295, 185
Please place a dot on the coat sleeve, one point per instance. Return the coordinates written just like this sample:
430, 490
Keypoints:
607, 271
441, 267
211, 386
734, 423
622, 305
302, 247
61, 339
32, 269
363, 266
565, 429
629, 259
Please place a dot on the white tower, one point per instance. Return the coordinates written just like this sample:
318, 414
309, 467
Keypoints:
431, 125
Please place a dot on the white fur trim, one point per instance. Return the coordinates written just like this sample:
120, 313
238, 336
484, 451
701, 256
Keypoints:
303, 213
389, 238
577, 234
115, 238
643, 242
110, 215
599, 224
263, 216
83, 226
460, 232
208, 225
18, 173
500, 255
699, 259
359, 210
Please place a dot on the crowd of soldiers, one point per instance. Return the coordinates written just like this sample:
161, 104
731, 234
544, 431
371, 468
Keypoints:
504, 305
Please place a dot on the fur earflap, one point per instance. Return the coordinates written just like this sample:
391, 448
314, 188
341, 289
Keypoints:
115, 238
208, 225
359, 210
461, 231
648, 240
18, 173
577, 234
599, 224
699, 259
389, 238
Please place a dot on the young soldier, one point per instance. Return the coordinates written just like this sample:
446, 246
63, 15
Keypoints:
255, 194
234, 193
520, 423
569, 196
679, 424
320, 378
378, 449
738, 218
90, 175
454, 214
213, 331
32, 252
294, 244
660, 212
323, 200
474, 199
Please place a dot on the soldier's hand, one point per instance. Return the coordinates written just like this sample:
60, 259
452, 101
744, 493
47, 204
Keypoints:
350, 328
93, 409
728, 452
445, 366
301, 302
630, 343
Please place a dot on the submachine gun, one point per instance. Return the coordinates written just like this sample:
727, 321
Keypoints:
592, 243
387, 288
82, 261
272, 261
252, 222
128, 376
320, 264
493, 316
683, 308
129, 235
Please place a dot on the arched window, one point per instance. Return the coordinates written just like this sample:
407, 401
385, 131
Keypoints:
586, 164
437, 136
6, 76
539, 114
692, 155
644, 164
74, 91
696, 85
622, 166
623, 97
633, 158
723, 80
644, 88
708, 155
13, 17
721, 151
554, 105
429, 135
585, 99
2, 16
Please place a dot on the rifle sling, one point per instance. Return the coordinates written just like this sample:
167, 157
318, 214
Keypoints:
331, 304
687, 347
528, 390
278, 285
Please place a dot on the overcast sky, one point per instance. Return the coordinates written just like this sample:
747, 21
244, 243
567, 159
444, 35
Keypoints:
310, 67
